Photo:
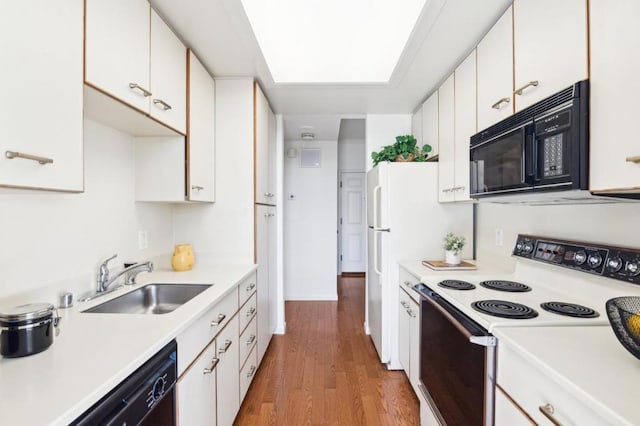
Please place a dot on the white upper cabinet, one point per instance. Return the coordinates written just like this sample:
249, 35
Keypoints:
117, 49
550, 47
615, 67
168, 71
416, 126
201, 133
465, 124
41, 86
264, 134
446, 129
495, 73
430, 123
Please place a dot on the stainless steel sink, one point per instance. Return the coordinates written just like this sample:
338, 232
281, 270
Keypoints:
151, 299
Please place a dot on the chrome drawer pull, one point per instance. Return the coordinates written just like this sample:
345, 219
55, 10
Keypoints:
411, 313
214, 364
227, 345
532, 83
251, 340
404, 304
498, 104
250, 287
251, 311
221, 318
548, 411
15, 154
269, 194
407, 283
197, 187
165, 106
144, 91
269, 214
631, 159
251, 372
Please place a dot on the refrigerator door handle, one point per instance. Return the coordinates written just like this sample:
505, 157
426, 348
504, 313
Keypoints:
375, 255
381, 229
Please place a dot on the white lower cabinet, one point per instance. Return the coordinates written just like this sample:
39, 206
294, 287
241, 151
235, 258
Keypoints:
266, 260
228, 383
507, 413
409, 330
539, 396
248, 371
197, 390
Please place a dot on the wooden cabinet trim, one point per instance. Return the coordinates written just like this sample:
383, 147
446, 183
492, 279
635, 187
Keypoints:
515, 404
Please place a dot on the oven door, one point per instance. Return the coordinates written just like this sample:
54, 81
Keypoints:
457, 364
503, 164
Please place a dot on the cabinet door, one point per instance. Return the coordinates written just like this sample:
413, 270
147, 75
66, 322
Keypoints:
201, 133
495, 72
416, 126
446, 128
404, 332
265, 216
117, 49
615, 67
272, 259
197, 390
168, 76
261, 140
547, 61
465, 124
430, 123
271, 158
228, 381
41, 86
507, 414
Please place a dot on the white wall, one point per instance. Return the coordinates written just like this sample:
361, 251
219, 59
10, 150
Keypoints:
223, 231
604, 223
55, 239
382, 129
352, 155
310, 247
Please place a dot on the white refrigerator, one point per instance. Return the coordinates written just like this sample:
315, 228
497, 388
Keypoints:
405, 221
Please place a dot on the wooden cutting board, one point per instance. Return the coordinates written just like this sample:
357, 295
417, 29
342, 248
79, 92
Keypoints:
440, 265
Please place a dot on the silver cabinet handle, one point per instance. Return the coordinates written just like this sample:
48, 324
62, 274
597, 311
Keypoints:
498, 104
251, 372
269, 194
251, 311
197, 187
250, 287
136, 86
630, 159
404, 304
407, 283
15, 154
269, 214
548, 411
520, 91
227, 345
165, 106
251, 340
218, 321
447, 190
210, 368
411, 313
458, 188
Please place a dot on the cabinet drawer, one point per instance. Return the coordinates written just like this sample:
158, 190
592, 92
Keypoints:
247, 312
200, 333
248, 340
407, 281
247, 288
532, 389
248, 372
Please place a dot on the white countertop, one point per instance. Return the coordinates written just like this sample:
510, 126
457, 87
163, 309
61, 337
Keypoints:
95, 352
589, 362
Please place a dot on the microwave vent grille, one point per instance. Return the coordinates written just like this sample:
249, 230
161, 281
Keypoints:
529, 113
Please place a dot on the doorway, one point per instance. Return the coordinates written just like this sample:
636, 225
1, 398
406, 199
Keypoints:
352, 222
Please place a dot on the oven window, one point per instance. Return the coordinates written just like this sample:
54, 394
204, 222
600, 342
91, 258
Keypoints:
452, 369
498, 164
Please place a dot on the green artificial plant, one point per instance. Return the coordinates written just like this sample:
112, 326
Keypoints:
405, 147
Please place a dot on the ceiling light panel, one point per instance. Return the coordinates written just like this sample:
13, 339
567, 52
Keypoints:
332, 41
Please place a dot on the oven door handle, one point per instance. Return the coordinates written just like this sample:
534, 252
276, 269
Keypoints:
487, 341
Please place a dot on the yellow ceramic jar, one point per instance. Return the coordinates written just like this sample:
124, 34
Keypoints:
182, 259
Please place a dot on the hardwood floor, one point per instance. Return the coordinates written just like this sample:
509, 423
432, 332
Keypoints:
325, 371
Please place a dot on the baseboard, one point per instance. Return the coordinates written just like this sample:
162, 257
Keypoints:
367, 330
281, 329
352, 275
331, 297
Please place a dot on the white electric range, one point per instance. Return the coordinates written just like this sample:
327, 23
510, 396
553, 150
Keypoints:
458, 349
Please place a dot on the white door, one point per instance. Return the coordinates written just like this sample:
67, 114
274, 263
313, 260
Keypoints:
352, 222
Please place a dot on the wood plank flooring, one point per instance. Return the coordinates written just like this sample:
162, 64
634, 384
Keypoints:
325, 371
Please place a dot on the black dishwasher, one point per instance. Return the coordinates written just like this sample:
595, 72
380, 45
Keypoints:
146, 397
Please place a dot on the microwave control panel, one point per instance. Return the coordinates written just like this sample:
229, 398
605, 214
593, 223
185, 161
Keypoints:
608, 261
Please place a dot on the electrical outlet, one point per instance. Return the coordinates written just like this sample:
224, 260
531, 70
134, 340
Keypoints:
499, 237
143, 240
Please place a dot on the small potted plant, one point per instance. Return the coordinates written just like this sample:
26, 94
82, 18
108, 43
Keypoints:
453, 245
405, 149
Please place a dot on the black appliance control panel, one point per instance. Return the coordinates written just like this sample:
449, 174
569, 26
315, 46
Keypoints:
608, 261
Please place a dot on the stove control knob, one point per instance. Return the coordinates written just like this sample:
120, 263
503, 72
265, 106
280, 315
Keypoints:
519, 246
595, 260
614, 264
580, 257
528, 247
632, 267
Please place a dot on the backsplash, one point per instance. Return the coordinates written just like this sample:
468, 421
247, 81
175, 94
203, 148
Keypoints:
53, 238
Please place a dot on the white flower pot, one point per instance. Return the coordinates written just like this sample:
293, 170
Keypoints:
451, 258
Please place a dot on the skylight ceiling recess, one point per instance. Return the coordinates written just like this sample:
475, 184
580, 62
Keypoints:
332, 41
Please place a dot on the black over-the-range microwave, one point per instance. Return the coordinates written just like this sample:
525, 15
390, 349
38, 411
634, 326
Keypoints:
544, 147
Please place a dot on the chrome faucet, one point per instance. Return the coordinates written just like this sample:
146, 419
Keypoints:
104, 281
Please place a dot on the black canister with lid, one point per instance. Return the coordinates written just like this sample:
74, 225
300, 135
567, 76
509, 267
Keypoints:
27, 329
